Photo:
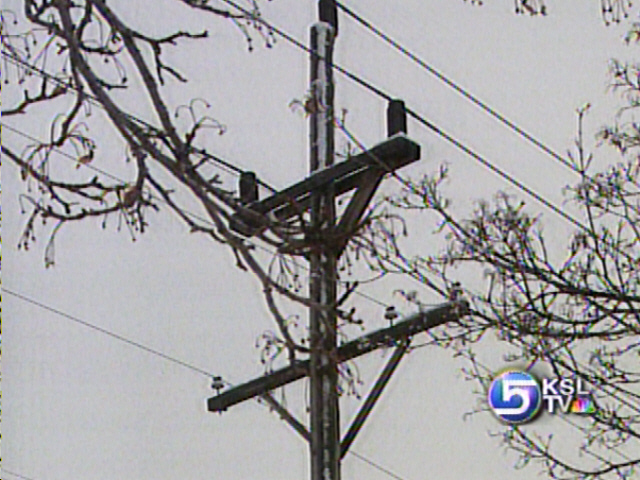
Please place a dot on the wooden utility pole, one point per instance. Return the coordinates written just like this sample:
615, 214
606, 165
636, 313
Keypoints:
324, 411
325, 239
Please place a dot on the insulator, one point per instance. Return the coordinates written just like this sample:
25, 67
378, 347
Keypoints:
248, 187
396, 118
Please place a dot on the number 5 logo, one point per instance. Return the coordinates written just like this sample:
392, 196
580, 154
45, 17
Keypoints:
511, 388
514, 396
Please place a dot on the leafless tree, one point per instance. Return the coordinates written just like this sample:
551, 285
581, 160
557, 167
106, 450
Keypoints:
571, 310
578, 316
78, 56
612, 11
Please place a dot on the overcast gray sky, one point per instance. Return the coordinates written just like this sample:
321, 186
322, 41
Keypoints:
79, 404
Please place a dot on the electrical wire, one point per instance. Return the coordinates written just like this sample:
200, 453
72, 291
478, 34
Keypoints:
436, 130
413, 114
456, 87
369, 87
185, 364
478, 158
61, 152
109, 333
152, 351
355, 454
375, 465
189, 366
16, 475
498, 171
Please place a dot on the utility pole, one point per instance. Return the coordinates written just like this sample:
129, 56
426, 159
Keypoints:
325, 434
325, 238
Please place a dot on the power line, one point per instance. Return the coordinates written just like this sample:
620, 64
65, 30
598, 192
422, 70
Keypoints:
298, 44
17, 61
14, 474
153, 352
375, 465
486, 163
61, 152
103, 172
187, 212
396, 175
468, 151
351, 452
104, 331
183, 364
424, 122
136, 344
453, 85
498, 171
465, 93
478, 158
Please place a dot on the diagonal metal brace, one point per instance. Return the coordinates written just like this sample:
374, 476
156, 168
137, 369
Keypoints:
373, 396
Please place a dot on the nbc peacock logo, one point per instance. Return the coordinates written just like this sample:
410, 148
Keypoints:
582, 405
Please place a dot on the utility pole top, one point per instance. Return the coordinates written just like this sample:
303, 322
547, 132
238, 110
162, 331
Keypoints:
328, 13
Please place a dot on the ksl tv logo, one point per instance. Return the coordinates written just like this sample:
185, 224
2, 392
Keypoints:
516, 396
